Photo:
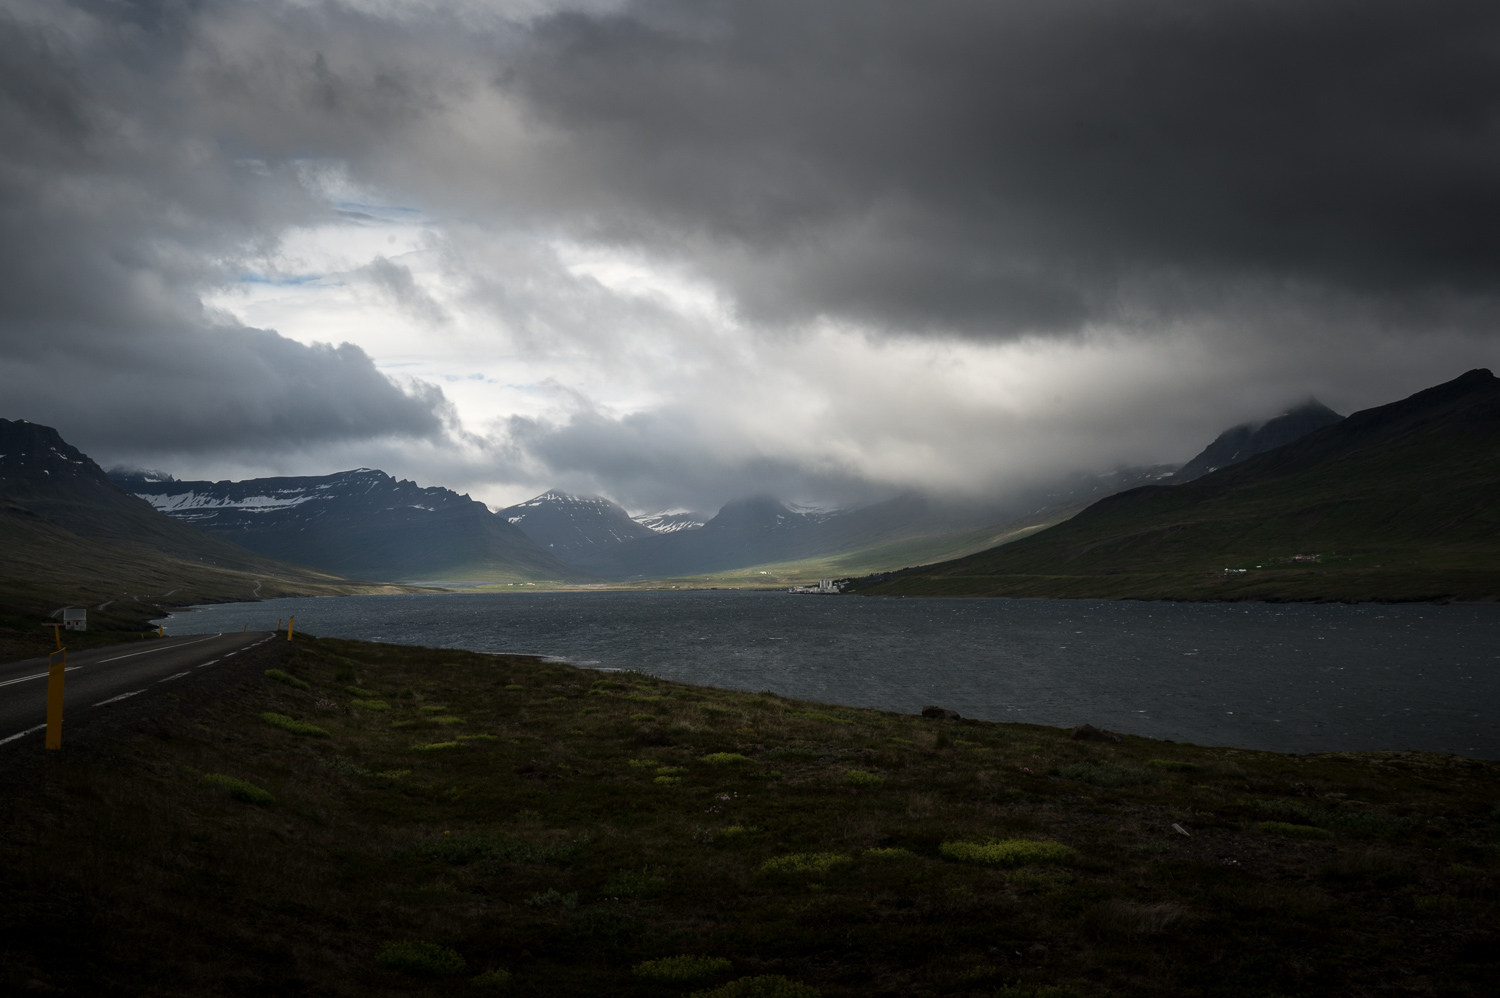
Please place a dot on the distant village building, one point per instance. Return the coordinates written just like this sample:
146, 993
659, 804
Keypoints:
823, 586
75, 620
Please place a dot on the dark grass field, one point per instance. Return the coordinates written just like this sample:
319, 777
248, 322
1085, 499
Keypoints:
474, 824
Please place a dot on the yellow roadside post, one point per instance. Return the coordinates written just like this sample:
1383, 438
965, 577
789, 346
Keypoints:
289, 622
57, 667
278, 625
160, 631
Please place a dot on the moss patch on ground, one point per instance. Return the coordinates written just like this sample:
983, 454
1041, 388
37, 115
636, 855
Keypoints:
555, 844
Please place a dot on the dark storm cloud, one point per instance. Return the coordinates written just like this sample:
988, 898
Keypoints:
1301, 192
119, 208
998, 167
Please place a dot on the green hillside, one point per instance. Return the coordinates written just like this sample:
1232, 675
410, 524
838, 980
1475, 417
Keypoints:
1393, 503
47, 567
877, 557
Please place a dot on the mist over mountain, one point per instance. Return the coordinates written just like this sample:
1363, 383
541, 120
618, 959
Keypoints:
1238, 443
361, 524
1392, 503
762, 530
367, 524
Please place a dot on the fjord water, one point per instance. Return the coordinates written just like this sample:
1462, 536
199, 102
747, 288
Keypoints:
1289, 678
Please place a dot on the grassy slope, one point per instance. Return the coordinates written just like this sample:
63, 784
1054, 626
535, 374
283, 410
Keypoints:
1398, 502
551, 846
878, 558
46, 567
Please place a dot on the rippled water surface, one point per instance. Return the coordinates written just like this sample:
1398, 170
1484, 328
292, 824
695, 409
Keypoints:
1299, 678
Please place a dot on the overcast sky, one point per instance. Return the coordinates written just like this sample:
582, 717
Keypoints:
681, 252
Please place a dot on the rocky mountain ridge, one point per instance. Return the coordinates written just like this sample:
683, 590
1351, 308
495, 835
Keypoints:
1242, 442
360, 524
71, 537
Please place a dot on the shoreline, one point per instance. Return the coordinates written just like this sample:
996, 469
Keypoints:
1296, 703
555, 828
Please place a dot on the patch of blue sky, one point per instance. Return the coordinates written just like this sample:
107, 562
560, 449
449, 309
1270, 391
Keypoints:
463, 377
362, 210
285, 280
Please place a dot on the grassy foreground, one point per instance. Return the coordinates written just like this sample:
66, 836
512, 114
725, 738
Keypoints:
380, 820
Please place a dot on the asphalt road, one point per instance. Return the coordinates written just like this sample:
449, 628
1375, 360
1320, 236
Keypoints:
100, 677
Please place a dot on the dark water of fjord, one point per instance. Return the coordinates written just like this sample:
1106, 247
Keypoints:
1289, 678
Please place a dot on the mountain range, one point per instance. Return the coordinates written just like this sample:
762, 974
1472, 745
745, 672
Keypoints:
361, 524
365, 524
131, 542
72, 537
596, 536
1398, 502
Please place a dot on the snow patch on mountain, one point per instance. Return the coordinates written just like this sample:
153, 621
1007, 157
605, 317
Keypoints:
671, 521
181, 502
572, 526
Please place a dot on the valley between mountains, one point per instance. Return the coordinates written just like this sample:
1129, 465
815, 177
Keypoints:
366, 524
1393, 503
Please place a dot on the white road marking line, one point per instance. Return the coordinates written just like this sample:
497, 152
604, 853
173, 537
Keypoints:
117, 658
122, 696
22, 734
39, 675
148, 651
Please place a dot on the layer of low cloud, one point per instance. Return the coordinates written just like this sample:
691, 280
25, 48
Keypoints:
676, 252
